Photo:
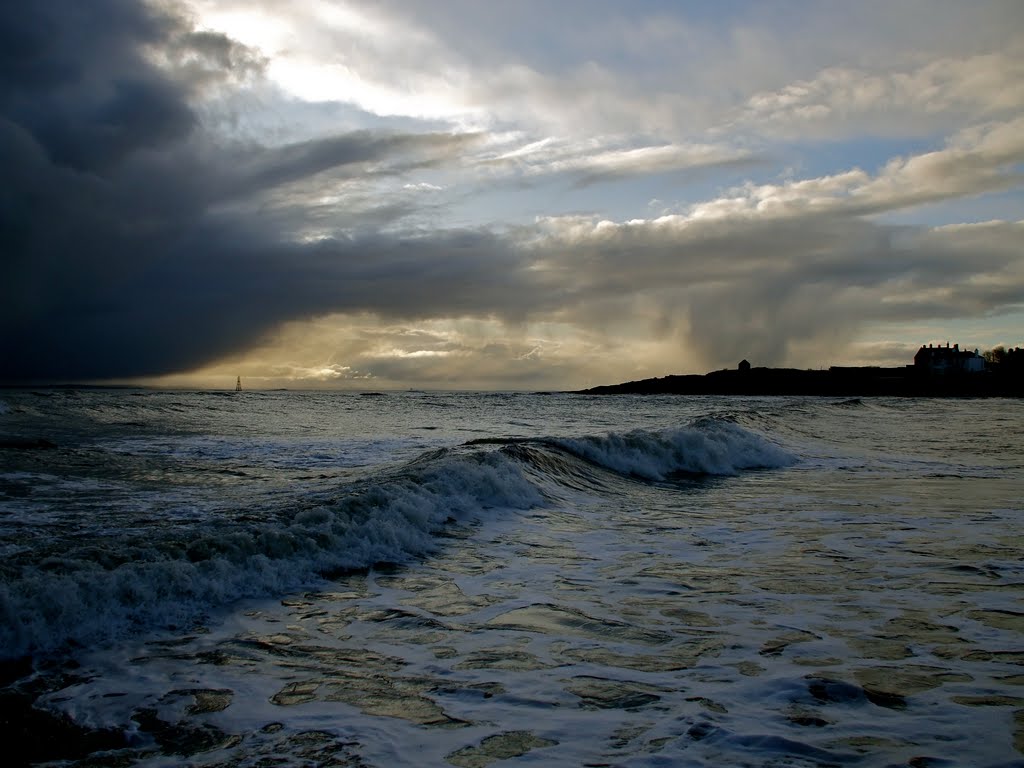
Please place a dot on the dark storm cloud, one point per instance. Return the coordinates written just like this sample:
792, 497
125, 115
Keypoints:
119, 257
260, 170
138, 277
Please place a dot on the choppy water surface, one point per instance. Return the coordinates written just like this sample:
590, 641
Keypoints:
474, 579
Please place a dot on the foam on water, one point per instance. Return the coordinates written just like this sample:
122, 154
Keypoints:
133, 572
706, 447
92, 592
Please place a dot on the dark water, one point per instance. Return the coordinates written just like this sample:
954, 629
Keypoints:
553, 579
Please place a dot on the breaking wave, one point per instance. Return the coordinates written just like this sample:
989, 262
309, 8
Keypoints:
707, 447
91, 591
87, 591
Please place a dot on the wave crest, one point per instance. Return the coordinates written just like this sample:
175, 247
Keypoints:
92, 589
96, 591
706, 447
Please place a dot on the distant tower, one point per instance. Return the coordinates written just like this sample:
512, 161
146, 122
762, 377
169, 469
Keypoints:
238, 384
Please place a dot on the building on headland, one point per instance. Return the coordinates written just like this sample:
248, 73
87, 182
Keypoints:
947, 359
937, 371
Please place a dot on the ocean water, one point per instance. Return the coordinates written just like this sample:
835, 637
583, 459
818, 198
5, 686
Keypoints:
453, 579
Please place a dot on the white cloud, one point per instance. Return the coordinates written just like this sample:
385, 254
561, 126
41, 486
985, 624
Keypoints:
416, 353
602, 158
841, 102
422, 186
321, 51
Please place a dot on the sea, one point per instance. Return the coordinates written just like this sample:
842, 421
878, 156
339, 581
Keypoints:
298, 578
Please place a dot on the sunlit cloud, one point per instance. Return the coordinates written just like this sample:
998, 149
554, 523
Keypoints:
840, 102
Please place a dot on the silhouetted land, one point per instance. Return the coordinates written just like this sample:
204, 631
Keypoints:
835, 382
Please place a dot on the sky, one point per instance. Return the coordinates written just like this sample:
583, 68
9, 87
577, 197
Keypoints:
463, 194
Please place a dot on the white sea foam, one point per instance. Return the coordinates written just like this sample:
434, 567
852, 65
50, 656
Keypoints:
708, 447
100, 591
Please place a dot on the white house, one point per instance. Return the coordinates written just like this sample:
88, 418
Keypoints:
948, 359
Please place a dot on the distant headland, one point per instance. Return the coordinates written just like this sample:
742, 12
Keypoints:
937, 371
